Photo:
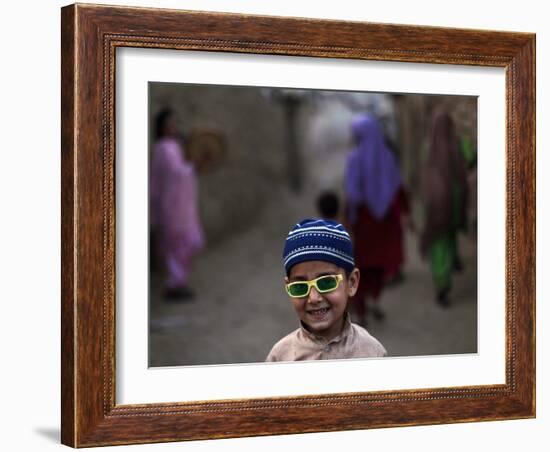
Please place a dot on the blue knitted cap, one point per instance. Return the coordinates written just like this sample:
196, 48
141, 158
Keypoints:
318, 240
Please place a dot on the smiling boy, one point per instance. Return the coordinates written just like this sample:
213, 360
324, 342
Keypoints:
320, 278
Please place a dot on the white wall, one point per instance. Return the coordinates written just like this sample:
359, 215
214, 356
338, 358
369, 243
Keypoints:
30, 226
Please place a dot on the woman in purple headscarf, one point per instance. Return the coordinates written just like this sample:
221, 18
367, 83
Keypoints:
375, 202
174, 217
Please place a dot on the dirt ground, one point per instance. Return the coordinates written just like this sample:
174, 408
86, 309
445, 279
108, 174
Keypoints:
240, 309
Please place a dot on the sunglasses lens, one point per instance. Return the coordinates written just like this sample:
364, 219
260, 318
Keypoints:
297, 289
327, 283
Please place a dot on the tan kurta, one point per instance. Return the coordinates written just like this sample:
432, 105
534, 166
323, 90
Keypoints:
353, 342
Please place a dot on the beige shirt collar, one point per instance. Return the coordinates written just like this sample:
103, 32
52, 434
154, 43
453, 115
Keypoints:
346, 329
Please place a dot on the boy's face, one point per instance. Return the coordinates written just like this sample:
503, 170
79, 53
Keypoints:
323, 313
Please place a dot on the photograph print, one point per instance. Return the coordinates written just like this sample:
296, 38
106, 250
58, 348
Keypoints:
294, 224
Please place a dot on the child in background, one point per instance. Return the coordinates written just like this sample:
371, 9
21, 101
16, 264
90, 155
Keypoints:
320, 279
328, 205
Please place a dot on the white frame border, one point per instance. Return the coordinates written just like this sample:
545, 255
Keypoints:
136, 383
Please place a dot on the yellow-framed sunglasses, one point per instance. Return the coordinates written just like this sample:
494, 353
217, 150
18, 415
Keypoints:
323, 284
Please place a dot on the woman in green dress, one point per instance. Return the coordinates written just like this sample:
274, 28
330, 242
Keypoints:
445, 193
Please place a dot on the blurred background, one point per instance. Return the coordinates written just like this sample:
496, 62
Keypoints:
234, 168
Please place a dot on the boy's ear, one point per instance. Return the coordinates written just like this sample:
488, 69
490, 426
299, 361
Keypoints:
353, 282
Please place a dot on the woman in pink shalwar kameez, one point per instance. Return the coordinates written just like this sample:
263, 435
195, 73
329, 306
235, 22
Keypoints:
174, 215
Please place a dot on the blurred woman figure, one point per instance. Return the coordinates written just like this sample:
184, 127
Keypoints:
444, 190
174, 217
375, 204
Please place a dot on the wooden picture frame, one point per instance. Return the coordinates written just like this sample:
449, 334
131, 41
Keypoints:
90, 36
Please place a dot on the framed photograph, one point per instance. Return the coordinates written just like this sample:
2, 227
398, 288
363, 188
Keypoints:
195, 148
